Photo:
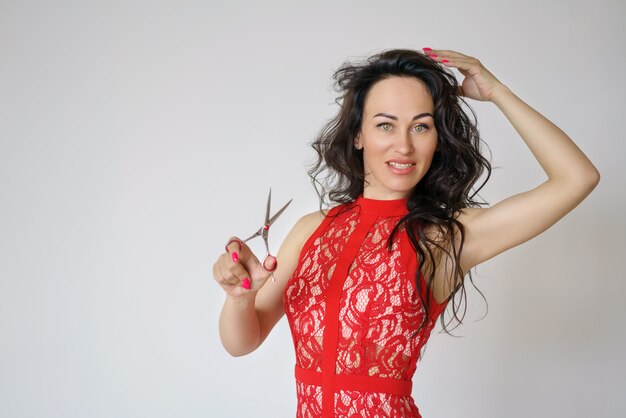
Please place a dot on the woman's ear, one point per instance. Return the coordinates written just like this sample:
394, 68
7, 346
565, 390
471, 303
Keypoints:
358, 143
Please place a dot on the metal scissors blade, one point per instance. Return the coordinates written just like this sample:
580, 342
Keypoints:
263, 231
256, 234
277, 214
267, 208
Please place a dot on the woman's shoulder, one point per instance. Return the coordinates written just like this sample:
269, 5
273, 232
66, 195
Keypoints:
307, 224
314, 219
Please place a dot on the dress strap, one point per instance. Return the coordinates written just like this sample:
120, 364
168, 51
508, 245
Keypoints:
331, 315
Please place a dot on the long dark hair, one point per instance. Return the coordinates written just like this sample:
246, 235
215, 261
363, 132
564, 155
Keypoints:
451, 183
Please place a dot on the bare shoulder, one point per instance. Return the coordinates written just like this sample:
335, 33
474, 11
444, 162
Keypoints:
299, 234
312, 220
305, 226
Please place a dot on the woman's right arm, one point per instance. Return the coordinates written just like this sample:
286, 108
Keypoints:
249, 315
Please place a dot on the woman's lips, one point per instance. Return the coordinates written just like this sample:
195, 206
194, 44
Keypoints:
401, 167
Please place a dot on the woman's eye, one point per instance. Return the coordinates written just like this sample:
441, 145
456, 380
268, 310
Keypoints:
420, 128
385, 126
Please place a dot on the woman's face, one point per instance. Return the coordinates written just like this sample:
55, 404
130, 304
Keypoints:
398, 137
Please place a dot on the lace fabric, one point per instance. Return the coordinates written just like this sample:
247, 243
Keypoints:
353, 308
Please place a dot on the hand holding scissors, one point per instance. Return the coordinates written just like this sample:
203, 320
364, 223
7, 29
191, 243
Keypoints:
229, 271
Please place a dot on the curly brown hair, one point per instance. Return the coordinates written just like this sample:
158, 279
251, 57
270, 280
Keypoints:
451, 183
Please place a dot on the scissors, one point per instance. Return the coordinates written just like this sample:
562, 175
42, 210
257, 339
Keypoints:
264, 230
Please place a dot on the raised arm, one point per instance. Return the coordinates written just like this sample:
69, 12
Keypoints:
571, 176
250, 312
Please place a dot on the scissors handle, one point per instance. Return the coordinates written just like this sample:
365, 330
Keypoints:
272, 270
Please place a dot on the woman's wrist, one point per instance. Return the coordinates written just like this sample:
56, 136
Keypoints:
243, 300
500, 93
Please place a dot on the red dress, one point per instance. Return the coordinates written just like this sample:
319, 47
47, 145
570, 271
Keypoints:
352, 307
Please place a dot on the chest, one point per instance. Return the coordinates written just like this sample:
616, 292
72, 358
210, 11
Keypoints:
357, 275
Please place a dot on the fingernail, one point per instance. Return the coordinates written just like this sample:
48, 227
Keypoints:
445, 61
245, 283
235, 256
433, 55
426, 49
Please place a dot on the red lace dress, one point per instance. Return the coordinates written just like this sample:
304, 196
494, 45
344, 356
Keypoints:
353, 306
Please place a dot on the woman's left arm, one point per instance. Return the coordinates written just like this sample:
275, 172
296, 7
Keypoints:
571, 176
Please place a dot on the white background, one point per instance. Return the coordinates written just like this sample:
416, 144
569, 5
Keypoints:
137, 136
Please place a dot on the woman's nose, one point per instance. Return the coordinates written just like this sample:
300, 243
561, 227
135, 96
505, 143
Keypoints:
405, 143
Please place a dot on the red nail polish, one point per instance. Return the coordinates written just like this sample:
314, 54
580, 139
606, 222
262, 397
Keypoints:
426, 49
235, 256
433, 55
245, 283
445, 61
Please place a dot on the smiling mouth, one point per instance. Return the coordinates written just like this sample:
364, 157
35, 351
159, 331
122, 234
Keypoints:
400, 166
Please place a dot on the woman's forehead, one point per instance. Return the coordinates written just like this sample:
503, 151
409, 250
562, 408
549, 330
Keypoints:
400, 95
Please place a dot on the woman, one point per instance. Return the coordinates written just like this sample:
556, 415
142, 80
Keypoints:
363, 285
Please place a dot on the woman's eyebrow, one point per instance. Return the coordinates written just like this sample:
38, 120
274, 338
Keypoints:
387, 115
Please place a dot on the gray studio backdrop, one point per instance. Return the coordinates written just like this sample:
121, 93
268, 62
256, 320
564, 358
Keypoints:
137, 136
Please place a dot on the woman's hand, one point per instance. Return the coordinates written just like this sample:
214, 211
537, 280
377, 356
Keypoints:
478, 84
239, 271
